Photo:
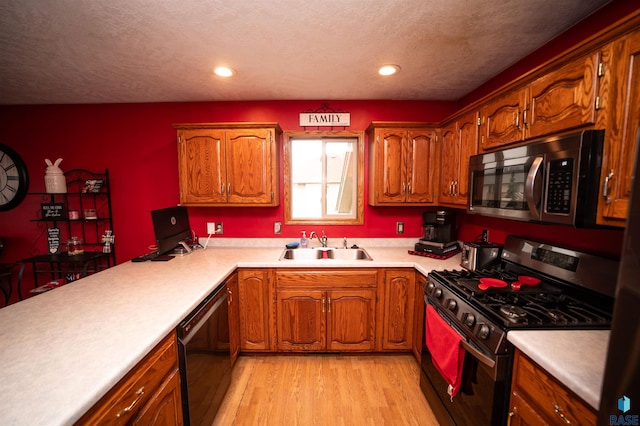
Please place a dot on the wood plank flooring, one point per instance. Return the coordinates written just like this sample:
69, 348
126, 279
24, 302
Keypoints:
325, 390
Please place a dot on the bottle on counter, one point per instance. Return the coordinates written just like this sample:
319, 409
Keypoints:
304, 242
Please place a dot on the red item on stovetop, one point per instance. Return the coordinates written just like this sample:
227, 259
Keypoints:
524, 280
487, 283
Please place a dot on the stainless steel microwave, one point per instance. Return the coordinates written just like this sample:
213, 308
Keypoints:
550, 180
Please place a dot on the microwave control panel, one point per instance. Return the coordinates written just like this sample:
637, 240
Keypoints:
559, 186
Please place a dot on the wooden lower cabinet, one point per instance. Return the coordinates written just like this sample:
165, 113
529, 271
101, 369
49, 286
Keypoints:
254, 291
418, 315
537, 398
332, 310
148, 395
233, 300
397, 331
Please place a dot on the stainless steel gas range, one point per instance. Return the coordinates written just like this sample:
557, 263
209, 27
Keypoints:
466, 358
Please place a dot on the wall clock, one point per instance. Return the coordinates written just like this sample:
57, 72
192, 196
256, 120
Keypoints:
14, 179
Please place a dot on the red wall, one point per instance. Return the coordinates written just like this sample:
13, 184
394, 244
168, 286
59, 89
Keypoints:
137, 143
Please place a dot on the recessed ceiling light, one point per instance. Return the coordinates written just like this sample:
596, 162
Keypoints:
388, 69
224, 72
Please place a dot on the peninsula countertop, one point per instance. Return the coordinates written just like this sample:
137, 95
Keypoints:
61, 351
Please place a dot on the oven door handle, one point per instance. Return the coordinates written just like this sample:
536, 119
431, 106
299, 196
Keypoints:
532, 187
477, 354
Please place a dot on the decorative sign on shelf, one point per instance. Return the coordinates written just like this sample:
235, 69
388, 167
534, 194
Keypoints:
93, 185
325, 117
54, 211
53, 240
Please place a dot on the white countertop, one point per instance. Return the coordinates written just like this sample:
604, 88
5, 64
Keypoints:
574, 357
61, 351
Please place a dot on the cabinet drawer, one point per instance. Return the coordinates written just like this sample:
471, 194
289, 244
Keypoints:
326, 279
549, 398
124, 400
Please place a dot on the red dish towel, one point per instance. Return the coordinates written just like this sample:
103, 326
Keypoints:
447, 354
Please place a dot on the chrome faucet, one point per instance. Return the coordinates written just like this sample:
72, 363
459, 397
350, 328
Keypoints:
322, 240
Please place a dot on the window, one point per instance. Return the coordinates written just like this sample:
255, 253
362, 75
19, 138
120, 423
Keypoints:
324, 175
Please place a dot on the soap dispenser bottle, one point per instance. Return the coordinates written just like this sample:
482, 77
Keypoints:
304, 242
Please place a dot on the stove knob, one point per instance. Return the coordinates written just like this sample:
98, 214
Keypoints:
470, 320
452, 305
430, 286
484, 331
437, 293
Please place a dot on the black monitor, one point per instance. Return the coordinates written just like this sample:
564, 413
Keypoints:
171, 228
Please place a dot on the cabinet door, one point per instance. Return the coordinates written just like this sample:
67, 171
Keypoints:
422, 166
351, 320
564, 98
398, 309
234, 317
390, 166
251, 168
300, 319
522, 414
467, 127
621, 132
418, 315
254, 291
165, 406
201, 166
502, 120
450, 156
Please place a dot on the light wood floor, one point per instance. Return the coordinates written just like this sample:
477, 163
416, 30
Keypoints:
325, 390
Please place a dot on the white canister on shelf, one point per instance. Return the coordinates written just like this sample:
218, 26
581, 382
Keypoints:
54, 180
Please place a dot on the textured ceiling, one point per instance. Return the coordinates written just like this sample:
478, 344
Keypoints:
92, 51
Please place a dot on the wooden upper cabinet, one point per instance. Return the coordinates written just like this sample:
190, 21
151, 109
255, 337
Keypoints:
402, 164
230, 164
622, 106
459, 142
501, 120
561, 99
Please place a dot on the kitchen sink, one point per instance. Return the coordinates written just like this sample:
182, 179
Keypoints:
322, 253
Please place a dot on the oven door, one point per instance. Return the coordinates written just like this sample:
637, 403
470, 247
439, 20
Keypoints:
483, 396
506, 187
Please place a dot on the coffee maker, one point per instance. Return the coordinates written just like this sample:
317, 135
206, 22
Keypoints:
439, 233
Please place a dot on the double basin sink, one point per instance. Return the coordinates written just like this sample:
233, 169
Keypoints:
323, 253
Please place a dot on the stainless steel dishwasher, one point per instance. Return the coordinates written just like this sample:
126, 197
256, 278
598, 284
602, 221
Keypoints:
205, 362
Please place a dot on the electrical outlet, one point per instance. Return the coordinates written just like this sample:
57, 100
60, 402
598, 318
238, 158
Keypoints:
211, 228
277, 227
399, 227
219, 228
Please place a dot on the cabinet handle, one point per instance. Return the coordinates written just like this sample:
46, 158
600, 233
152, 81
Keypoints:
230, 296
126, 410
455, 188
518, 121
222, 189
323, 302
408, 188
558, 411
229, 189
329, 303
512, 413
606, 189
524, 117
